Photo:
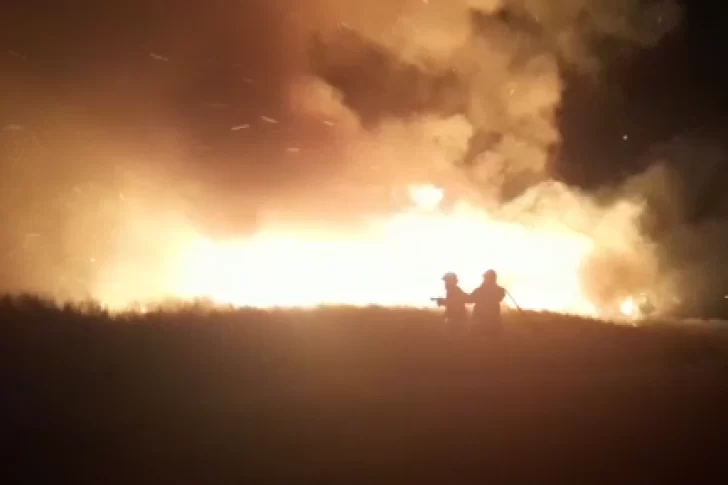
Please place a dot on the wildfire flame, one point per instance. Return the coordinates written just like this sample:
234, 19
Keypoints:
628, 307
396, 261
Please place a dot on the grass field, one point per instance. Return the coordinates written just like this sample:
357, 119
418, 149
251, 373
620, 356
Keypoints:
341, 395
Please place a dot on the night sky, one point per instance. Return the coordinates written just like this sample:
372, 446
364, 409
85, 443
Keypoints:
161, 84
673, 90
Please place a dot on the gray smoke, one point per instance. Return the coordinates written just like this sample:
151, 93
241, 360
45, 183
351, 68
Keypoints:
498, 63
685, 216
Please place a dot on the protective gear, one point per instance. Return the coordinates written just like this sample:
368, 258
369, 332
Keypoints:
450, 277
487, 299
454, 302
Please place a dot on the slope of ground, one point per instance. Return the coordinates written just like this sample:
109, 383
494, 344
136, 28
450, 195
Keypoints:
344, 395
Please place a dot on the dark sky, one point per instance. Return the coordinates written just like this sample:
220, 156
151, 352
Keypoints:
138, 77
674, 89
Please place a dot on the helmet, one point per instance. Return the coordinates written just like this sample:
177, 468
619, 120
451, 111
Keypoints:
450, 277
490, 275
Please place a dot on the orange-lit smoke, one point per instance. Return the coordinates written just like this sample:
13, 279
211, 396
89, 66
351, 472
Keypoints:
460, 94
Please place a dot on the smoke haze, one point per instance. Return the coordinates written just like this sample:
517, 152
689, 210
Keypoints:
497, 63
464, 94
469, 92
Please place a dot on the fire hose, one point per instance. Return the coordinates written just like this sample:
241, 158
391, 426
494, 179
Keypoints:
508, 293
440, 301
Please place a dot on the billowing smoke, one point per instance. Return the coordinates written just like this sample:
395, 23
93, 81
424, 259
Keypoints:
685, 216
497, 63
468, 93
462, 94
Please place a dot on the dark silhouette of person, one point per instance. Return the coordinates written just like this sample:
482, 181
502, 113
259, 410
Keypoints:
456, 312
487, 300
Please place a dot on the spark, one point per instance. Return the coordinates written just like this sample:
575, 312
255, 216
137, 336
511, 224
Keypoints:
17, 54
158, 57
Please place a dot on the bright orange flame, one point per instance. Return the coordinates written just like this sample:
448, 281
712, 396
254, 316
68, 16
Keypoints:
397, 260
628, 307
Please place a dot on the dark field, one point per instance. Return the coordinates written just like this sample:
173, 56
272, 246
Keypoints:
349, 396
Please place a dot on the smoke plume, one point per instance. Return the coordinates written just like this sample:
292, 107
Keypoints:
497, 63
461, 93
685, 216
468, 92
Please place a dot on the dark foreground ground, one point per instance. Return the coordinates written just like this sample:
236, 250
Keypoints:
355, 396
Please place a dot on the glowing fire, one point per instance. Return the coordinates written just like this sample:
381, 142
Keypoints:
427, 197
397, 260
628, 307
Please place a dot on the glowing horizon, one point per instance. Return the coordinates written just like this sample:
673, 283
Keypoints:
391, 261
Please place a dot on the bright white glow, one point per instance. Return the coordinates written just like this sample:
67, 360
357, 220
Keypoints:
395, 260
628, 307
427, 197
